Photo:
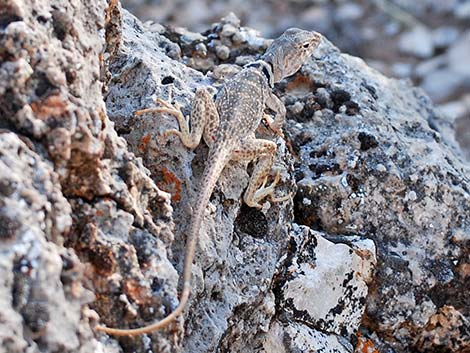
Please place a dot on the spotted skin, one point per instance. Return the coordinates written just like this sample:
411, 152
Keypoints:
228, 127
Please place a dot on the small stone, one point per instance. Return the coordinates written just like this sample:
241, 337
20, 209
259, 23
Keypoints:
411, 196
228, 30
417, 42
444, 37
232, 19
224, 71
440, 84
349, 12
238, 38
243, 60
380, 168
297, 107
391, 28
222, 52
458, 56
201, 49
462, 11
402, 69
455, 109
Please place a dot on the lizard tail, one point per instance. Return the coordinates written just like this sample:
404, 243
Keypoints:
218, 158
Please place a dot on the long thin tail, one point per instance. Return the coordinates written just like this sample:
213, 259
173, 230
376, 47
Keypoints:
217, 160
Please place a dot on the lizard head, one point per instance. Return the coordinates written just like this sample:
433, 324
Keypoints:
287, 53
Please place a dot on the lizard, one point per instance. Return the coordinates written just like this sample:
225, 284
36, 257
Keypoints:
228, 127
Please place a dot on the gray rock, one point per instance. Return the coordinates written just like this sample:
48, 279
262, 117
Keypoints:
446, 74
349, 12
379, 169
441, 83
74, 202
462, 10
78, 207
402, 69
445, 36
417, 42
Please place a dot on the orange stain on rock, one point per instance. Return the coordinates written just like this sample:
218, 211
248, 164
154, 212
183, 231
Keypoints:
144, 142
52, 106
171, 184
364, 345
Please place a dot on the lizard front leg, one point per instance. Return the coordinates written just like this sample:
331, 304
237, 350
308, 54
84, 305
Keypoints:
263, 152
276, 105
203, 121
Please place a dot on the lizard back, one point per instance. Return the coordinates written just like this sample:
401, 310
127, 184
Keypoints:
240, 103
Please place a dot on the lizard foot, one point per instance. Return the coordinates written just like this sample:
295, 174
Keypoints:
265, 191
273, 126
175, 110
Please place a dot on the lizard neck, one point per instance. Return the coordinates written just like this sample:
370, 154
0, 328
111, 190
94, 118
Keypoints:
266, 69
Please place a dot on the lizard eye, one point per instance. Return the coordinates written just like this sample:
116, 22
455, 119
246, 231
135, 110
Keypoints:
306, 45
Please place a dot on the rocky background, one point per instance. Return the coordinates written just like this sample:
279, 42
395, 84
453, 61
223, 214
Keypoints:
371, 255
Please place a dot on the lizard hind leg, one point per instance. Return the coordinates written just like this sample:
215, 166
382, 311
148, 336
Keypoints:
257, 189
263, 152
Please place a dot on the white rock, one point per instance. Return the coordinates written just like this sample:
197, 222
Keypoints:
442, 83
444, 36
401, 69
459, 55
296, 337
463, 10
417, 42
328, 282
349, 11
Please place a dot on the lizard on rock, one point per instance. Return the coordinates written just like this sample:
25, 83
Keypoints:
228, 126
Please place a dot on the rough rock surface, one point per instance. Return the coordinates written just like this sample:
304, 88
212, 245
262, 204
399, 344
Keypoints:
81, 215
75, 204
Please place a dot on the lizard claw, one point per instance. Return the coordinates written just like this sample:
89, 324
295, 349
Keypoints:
274, 126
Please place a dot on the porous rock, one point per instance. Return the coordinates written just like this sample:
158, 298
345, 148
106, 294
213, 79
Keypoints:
82, 213
79, 214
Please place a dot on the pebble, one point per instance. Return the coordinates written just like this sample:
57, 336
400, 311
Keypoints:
222, 52
455, 109
349, 12
441, 83
417, 42
445, 36
401, 69
297, 107
228, 30
238, 38
462, 11
232, 19
201, 49
459, 55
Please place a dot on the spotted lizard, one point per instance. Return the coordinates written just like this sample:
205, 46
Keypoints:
228, 127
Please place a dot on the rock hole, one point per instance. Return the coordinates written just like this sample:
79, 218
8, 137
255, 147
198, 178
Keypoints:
168, 80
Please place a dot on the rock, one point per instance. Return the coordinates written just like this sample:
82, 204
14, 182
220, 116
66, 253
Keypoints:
402, 69
325, 284
417, 42
349, 12
354, 175
446, 74
296, 337
74, 202
459, 55
441, 83
445, 36
81, 207
462, 10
